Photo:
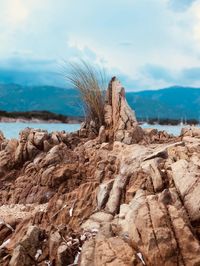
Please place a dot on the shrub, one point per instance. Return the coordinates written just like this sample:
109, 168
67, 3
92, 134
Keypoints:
91, 83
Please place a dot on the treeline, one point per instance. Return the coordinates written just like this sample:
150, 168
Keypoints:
168, 121
46, 116
41, 115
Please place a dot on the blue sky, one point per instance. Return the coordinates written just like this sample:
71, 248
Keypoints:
149, 44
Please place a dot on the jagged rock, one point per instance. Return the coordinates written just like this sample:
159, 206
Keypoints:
151, 227
39, 138
121, 123
191, 131
102, 134
27, 246
63, 256
163, 151
20, 257
72, 198
113, 203
90, 225
156, 176
187, 182
101, 217
103, 193
54, 243
102, 251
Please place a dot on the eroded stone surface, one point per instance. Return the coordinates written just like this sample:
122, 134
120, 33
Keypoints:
125, 196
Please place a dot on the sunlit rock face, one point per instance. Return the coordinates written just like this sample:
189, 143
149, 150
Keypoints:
123, 196
120, 119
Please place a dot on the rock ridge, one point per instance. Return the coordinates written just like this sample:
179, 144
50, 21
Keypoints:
121, 196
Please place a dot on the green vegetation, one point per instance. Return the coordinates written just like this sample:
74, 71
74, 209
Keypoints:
91, 83
41, 115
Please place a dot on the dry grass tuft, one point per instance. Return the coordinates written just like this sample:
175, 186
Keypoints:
91, 82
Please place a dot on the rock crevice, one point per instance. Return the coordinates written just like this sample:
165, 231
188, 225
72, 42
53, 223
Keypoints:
125, 197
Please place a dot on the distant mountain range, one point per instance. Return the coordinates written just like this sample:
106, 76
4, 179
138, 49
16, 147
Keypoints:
174, 102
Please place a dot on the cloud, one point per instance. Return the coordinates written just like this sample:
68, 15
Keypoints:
17, 12
182, 5
184, 77
191, 73
126, 43
156, 72
149, 43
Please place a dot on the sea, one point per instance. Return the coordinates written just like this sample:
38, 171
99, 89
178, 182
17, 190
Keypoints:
12, 130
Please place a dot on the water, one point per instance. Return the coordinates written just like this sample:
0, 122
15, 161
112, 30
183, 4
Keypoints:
175, 130
11, 130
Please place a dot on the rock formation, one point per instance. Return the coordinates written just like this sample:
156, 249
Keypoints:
124, 196
120, 119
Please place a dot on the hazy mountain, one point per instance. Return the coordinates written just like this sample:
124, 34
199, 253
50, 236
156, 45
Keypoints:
49, 98
173, 102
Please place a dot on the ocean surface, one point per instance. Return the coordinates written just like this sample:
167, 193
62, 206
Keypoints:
175, 130
11, 130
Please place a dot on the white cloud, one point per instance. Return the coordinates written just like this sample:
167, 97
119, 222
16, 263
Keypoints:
126, 35
17, 12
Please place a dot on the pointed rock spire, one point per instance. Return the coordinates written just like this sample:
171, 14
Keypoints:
120, 119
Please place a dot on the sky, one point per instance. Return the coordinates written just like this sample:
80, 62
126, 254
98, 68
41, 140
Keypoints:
148, 44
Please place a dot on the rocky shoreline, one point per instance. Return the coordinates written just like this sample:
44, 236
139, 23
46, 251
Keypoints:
38, 117
25, 120
121, 195
38, 121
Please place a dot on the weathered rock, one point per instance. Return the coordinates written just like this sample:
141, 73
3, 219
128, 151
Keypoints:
85, 198
20, 257
121, 123
63, 256
103, 193
113, 203
187, 182
102, 251
54, 243
192, 132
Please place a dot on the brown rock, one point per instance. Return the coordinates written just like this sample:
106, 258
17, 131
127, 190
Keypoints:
120, 119
186, 179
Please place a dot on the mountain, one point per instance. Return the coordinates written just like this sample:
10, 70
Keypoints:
58, 100
174, 102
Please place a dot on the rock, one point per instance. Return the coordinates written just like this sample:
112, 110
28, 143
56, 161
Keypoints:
54, 243
187, 183
26, 249
63, 256
21, 258
156, 176
101, 217
87, 254
102, 251
163, 151
103, 193
113, 203
189, 254
191, 131
30, 241
102, 134
90, 225
39, 138
85, 198
120, 119
119, 253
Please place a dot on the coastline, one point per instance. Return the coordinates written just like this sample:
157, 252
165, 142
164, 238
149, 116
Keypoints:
68, 120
